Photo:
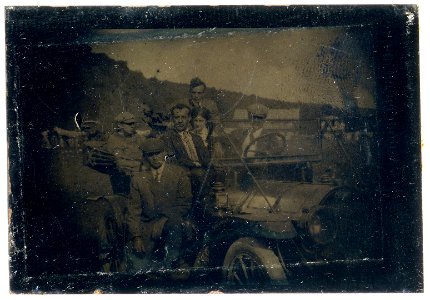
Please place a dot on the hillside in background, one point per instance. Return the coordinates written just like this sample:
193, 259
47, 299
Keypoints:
110, 87
99, 88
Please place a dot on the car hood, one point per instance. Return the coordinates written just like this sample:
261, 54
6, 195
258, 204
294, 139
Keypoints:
287, 199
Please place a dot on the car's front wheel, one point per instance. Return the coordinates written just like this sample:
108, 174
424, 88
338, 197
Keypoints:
248, 262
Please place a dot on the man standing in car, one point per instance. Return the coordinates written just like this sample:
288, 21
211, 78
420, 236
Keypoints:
197, 97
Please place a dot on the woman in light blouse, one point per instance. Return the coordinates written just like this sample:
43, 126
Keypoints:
201, 123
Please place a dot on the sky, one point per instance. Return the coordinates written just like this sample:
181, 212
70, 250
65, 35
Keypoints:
295, 65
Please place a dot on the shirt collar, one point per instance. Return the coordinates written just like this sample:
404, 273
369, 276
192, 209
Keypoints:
159, 170
181, 133
257, 132
195, 103
204, 132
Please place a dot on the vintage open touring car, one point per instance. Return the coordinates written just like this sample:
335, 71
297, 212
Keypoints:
298, 204
280, 211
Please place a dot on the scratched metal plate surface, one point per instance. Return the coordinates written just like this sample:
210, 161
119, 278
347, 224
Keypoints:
341, 87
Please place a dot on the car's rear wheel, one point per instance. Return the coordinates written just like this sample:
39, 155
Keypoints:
248, 262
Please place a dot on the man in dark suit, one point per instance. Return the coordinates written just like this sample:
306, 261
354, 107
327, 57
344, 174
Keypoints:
187, 148
160, 200
189, 151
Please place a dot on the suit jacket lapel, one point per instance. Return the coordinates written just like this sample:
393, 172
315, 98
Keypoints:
167, 174
180, 148
200, 149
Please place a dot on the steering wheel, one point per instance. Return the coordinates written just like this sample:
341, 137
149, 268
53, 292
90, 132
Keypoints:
273, 135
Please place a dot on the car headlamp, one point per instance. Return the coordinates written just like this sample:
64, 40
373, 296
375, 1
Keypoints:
322, 225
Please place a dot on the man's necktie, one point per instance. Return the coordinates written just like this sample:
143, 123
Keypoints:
157, 175
252, 136
189, 146
249, 140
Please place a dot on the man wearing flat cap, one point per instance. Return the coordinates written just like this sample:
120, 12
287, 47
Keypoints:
160, 201
123, 144
257, 113
256, 141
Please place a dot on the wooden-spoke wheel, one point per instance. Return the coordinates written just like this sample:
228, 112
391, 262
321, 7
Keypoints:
248, 262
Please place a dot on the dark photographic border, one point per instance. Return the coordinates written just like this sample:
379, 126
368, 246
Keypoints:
395, 31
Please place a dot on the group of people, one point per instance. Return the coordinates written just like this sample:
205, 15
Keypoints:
160, 174
163, 176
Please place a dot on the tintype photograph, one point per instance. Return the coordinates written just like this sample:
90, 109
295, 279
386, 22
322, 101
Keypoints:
214, 149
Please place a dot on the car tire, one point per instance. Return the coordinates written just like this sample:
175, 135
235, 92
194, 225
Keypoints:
248, 262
